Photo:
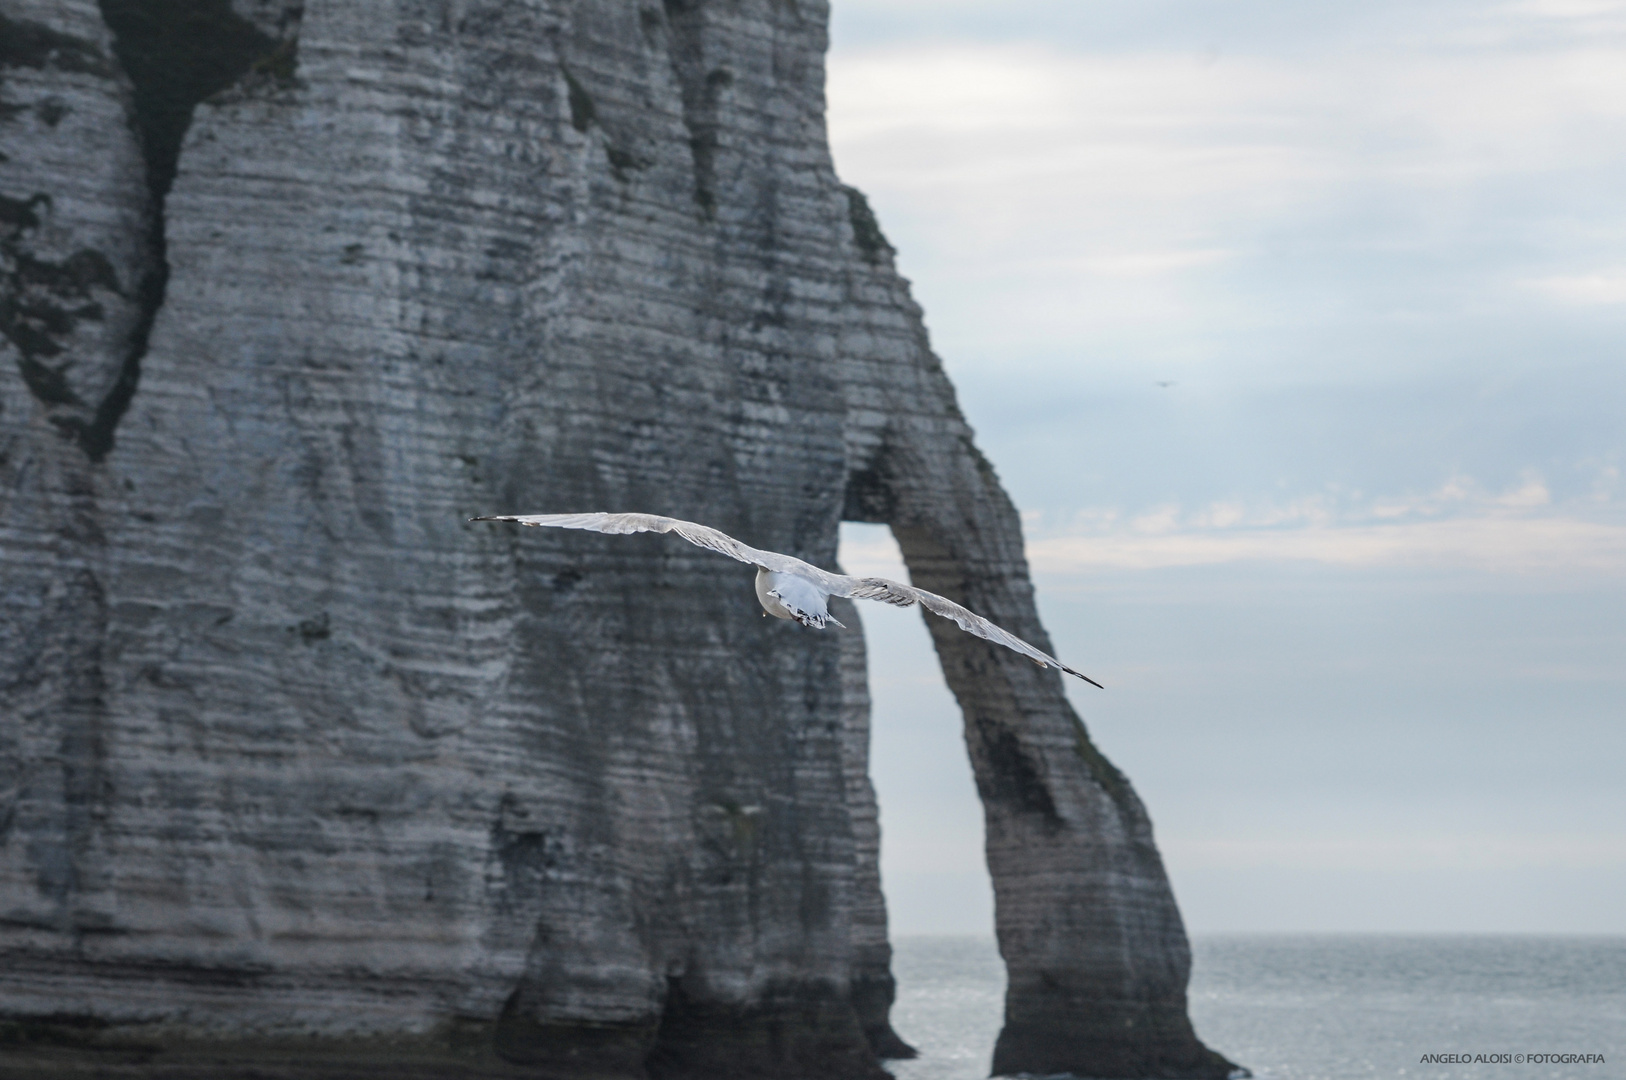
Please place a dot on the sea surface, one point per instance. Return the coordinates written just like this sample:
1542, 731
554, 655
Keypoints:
1321, 1007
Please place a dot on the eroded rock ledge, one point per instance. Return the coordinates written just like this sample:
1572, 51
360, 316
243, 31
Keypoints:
302, 775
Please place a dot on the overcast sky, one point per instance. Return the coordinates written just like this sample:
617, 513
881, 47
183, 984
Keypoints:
1295, 331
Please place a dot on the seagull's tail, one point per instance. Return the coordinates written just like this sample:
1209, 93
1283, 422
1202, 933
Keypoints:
815, 621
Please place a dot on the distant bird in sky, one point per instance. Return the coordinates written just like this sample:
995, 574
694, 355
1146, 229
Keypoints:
1166, 383
789, 588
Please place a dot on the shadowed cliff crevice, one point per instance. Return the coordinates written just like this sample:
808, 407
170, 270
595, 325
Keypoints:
44, 300
30, 44
701, 89
1012, 778
583, 113
54, 284
868, 496
177, 53
180, 52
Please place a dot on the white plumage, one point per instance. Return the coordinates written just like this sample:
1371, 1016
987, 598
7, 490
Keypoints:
789, 588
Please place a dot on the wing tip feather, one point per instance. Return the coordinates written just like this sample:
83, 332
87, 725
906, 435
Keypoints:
1081, 675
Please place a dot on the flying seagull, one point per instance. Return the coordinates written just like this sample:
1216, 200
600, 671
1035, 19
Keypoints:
789, 588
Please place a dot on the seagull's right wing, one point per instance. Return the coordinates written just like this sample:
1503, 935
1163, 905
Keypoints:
893, 592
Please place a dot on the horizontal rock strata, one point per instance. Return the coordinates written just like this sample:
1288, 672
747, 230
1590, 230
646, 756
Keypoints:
299, 769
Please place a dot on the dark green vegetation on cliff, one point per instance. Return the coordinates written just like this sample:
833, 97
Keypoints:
293, 757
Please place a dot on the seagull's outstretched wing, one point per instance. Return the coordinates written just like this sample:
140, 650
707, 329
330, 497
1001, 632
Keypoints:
893, 592
710, 539
871, 588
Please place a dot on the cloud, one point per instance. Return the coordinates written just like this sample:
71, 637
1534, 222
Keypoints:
1519, 546
1381, 853
1597, 288
1012, 134
1457, 526
1044, 194
1157, 127
1129, 264
1568, 10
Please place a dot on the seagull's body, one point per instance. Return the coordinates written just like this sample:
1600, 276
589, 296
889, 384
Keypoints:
786, 596
787, 587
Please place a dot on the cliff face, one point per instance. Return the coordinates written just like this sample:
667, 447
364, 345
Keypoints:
291, 751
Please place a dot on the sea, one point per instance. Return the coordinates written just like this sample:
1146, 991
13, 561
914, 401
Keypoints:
1324, 1007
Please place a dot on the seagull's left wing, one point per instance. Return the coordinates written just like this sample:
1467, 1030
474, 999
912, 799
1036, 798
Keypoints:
699, 535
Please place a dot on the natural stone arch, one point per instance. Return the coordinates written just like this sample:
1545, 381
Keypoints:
302, 754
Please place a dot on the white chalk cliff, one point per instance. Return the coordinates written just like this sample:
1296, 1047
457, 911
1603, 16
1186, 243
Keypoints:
296, 765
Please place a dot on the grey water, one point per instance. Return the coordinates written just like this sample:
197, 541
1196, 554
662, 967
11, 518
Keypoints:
1322, 1007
